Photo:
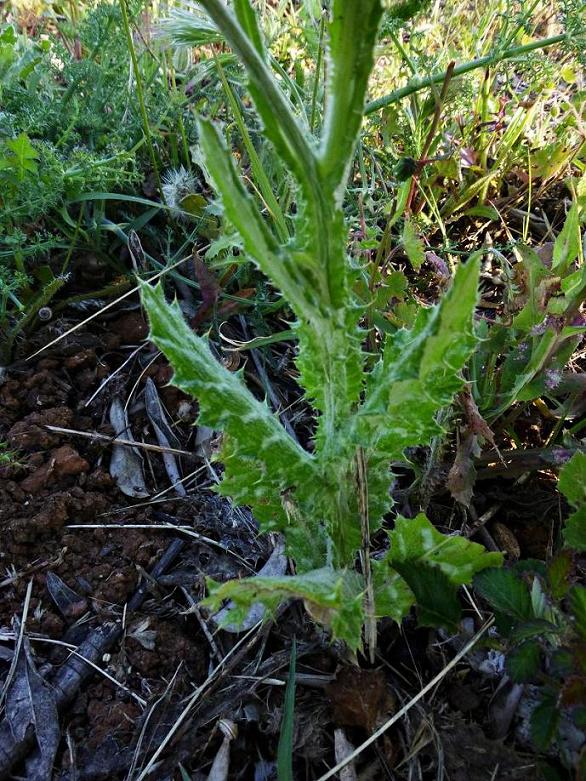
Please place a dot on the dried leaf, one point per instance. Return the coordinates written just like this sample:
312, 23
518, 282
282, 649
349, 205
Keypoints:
125, 463
143, 635
30, 704
343, 748
476, 422
70, 604
165, 436
360, 698
209, 289
462, 475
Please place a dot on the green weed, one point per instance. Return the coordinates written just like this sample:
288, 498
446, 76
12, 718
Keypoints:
327, 499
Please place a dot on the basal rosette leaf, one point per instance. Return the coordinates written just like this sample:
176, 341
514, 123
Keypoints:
436, 597
425, 568
332, 597
392, 595
227, 405
417, 540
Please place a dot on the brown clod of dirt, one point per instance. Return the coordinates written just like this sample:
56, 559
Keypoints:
131, 327
30, 432
62, 462
67, 461
81, 359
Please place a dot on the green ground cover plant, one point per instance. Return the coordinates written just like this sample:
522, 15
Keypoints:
540, 612
329, 498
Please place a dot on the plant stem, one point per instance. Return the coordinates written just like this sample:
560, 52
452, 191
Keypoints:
140, 95
482, 62
322, 29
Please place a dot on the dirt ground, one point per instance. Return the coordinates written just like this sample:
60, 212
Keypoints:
67, 584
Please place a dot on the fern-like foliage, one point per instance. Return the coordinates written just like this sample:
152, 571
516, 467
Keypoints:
324, 506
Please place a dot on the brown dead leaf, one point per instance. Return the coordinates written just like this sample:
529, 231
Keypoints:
462, 475
361, 698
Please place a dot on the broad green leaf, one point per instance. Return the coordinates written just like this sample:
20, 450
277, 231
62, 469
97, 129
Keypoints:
435, 595
558, 572
528, 630
572, 482
534, 271
333, 598
417, 540
413, 245
392, 595
567, 244
523, 662
544, 722
505, 592
24, 156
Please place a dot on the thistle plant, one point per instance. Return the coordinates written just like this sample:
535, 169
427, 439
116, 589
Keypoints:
329, 499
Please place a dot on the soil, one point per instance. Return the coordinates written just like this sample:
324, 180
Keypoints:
64, 581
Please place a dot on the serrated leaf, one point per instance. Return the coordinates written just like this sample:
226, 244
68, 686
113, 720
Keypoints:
537, 627
544, 722
572, 482
226, 404
24, 156
417, 540
523, 662
505, 592
413, 245
575, 530
578, 608
332, 597
558, 573
422, 364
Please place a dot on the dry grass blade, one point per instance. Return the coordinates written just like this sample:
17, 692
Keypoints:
399, 715
19, 640
117, 440
73, 649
